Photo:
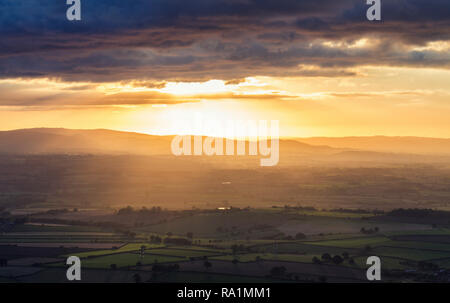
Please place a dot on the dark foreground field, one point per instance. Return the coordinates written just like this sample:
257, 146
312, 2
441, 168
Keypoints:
286, 244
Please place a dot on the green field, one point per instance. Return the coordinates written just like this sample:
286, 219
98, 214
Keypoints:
65, 228
126, 248
386, 263
194, 277
410, 254
206, 225
353, 243
443, 263
257, 250
301, 248
182, 252
333, 214
127, 259
419, 245
198, 248
240, 258
266, 256
435, 231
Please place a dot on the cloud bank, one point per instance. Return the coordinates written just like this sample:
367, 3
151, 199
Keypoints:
174, 40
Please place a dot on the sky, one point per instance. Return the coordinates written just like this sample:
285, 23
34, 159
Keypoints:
318, 66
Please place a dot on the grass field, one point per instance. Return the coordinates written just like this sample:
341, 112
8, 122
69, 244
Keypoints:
419, 245
126, 248
60, 239
206, 225
332, 214
443, 263
194, 277
410, 254
240, 257
386, 263
215, 234
302, 248
182, 252
127, 259
198, 248
267, 256
434, 231
353, 243
65, 228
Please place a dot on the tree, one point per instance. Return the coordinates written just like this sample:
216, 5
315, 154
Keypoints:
337, 259
126, 211
234, 248
300, 236
155, 239
130, 234
207, 265
178, 241
326, 257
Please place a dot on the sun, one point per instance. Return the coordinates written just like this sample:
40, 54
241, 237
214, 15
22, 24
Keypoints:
205, 117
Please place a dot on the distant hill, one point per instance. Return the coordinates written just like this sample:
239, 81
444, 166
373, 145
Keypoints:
294, 151
101, 141
410, 145
50, 141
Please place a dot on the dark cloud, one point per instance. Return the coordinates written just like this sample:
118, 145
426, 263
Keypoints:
200, 39
82, 96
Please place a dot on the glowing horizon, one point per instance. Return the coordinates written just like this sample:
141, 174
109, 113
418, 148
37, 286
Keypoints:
317, 68
380, 101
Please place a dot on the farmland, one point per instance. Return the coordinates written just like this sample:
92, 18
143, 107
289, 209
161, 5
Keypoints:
206, 221
234, 248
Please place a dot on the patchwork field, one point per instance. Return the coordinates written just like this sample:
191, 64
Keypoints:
125, 260
410, 254
353, 243
236, 248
